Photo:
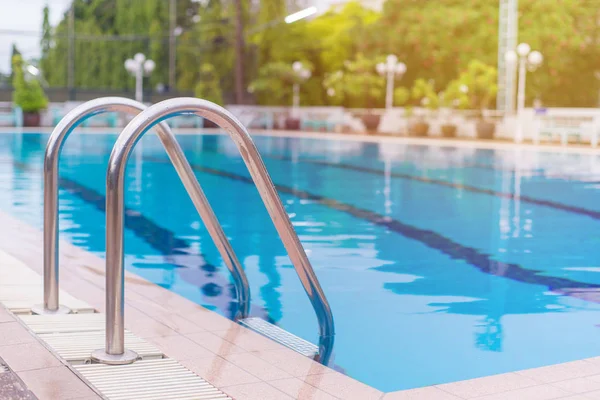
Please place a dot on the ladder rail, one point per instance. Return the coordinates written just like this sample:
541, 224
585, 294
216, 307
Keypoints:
57, 139
121, 152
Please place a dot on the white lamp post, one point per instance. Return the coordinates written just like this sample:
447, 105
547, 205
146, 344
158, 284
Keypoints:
390, 68
138, 66
303, 74
528, 60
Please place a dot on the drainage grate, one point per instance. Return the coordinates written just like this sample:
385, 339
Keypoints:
163, 379
77, 347
75, 336
64, 323
281, 336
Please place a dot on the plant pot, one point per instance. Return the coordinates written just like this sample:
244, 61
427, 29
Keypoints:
371, 122
449, 130
419, 129
292, 124
31, 119
485, 129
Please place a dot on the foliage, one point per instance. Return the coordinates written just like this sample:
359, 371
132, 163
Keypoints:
480, 82
28, 94
357, 85
275, 82
401, 96
423, 93
435, 39
455, 95
208, 86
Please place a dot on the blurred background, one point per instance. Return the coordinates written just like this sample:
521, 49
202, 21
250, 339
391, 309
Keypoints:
240, 50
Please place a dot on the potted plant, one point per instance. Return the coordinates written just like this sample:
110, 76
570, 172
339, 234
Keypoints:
423, 93
275, 84
358, 86
28, 94
480, 80
455, 96
209, 88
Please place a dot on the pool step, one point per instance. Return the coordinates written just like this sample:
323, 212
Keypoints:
281, 336
164, 379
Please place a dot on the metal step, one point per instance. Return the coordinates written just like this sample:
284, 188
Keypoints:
281, 336
148, 380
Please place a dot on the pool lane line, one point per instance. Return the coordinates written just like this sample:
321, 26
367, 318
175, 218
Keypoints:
159, 238
453, 185
481, 261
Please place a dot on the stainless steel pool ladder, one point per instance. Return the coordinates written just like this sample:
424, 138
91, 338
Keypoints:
54, 146
115, 352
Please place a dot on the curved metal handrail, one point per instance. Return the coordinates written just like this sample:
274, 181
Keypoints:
53, 149
115, 209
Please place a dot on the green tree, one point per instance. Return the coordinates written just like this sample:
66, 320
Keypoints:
28, 93
208, 86
274, 83
357, 85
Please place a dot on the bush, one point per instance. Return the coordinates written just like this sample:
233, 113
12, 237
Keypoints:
208, 86
358, 85
27, 94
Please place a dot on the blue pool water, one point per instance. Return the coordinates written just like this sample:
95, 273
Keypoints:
440, 263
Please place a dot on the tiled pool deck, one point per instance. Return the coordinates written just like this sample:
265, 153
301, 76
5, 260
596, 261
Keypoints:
241, 363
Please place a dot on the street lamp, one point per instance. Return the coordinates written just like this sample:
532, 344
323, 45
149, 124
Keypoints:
390, 68
301, 74
528, 60
139, 66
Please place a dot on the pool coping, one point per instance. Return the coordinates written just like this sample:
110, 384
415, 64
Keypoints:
246, 365
502, 144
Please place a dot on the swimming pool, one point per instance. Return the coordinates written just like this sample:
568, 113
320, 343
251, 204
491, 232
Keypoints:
440, 263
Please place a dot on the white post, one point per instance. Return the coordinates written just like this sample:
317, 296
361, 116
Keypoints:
139, 81
520, 99
522, 77
389, 92
296, 100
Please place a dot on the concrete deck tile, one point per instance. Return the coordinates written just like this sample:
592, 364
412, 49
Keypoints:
300, 390
426, 393
256, 391
578, 385
342, 386
256, 366
292, 362
219, 371
12, 333
561, 372
56, 383
179, 347
28, 356
247, 339
214, 343
488, 385
541, 392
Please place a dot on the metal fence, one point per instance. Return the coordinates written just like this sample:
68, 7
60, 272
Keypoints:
60, 95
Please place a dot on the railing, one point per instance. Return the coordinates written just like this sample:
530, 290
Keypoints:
53, 150
114, 351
